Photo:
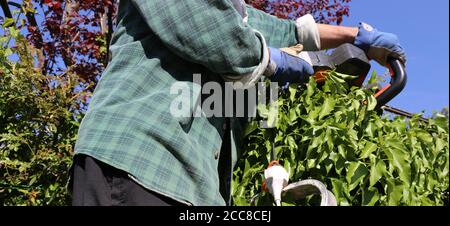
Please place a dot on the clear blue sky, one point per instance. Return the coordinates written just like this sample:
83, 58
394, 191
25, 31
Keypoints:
423, 29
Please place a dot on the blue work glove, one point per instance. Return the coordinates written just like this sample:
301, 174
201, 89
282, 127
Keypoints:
379, 45
288, 68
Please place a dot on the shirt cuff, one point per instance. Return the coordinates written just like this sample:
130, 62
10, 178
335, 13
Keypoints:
308, 33
247, 81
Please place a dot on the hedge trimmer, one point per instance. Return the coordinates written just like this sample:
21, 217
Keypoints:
349, 59
346, 59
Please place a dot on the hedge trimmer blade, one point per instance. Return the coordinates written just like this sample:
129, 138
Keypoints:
401, 112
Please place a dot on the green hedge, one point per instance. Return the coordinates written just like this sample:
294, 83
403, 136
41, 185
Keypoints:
329, 134
39, 118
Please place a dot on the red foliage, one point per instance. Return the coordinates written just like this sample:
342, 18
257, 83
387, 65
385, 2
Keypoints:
71, 35
324, 11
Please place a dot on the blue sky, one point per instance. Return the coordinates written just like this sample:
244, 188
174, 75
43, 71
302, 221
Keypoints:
423, 29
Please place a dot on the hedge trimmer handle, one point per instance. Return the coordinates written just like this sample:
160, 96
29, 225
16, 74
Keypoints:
396, 85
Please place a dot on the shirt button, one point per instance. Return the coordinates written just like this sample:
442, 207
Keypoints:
217, 155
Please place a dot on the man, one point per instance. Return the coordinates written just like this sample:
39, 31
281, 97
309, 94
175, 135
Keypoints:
132, 151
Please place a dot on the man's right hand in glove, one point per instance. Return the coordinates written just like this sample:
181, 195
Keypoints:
288, 68
379, 45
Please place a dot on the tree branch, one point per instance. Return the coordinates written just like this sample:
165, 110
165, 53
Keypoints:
5, 8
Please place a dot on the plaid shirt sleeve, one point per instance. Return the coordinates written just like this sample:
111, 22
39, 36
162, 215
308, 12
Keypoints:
279, 33
207, 32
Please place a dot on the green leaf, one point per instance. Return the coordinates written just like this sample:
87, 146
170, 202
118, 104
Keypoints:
311, 163
311, 89
8, 52
338, 80
396, 152
292, 115
376, 172
356, 172
440, 144
368, 149
291, 142
250, 128
371, 102
8, 22
339, 162
268, 145
425, 137
293, 92
33, 180
327, 108
14, 32
344, 76
247, 166
442, 122
287, 165
263, 111
395, 193
312, 116
340, 191
370, 197
328, 163
373, 78
342, 151
287, 204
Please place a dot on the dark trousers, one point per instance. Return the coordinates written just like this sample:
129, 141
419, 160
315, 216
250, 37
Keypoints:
95, 183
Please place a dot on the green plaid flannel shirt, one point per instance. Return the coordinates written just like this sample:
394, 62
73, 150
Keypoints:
159, 42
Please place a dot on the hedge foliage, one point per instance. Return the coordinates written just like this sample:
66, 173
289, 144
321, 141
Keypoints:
39, 118
334, 134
